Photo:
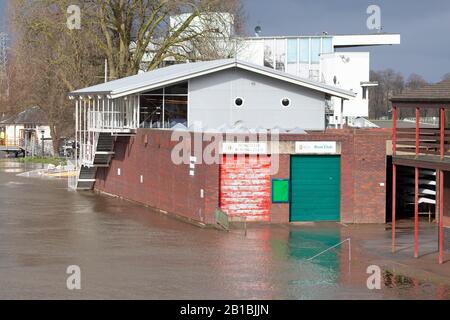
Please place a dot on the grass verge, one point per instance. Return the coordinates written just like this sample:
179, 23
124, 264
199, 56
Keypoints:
44, 160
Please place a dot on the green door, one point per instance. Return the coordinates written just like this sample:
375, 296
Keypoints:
315, 188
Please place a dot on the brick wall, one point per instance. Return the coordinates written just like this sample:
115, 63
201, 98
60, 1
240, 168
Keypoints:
165, 186
369, 176
170, 187
363, 169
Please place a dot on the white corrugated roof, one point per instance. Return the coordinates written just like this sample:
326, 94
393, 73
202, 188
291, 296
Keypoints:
181, 72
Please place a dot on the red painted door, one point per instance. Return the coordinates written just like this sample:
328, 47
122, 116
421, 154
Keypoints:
245, 187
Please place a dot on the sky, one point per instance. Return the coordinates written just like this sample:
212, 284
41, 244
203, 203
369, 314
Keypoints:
3, 15
424, 26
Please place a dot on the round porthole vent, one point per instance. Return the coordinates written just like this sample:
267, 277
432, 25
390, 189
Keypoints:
239, 102
285, 102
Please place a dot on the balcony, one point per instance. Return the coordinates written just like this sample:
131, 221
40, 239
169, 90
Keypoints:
427, 144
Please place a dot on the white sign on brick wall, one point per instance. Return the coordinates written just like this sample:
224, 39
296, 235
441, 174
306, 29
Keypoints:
315, 147
244, 148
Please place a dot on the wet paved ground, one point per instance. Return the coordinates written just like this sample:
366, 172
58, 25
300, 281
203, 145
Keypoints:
127, 251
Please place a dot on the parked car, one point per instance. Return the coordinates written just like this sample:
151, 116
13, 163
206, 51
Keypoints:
67, 148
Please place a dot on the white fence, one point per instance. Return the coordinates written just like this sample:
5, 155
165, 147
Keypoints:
101, 114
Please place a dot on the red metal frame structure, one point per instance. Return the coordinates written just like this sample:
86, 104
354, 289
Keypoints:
422, 148
394, 176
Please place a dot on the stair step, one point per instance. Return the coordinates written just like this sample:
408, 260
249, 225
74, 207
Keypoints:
102, 158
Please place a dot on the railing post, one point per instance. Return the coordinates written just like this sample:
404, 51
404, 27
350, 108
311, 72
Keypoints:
76, 132
441, 216
138, 124
394, 126
416, 213
394, 204
417, 131
442, 117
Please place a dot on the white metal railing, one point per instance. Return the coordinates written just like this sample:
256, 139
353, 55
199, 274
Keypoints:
96, 114
349, 240
87, 153
117, 115
425, 120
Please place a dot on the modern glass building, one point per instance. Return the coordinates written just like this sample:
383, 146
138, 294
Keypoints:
299, 56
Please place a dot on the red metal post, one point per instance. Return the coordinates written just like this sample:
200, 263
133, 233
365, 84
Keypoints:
394, 176
394, 127
441, 216
416, 214
417, 130
442, 117
441, 190
394, 203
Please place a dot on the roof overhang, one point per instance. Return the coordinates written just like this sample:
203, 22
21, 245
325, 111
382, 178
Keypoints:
366, 40
369, 84
420, 103
228, 64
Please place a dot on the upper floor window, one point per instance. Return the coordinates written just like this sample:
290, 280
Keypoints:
164, 107
327, 45
315, 50
292, 51
304, 50
180, 88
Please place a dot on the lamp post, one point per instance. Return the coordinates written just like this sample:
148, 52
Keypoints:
42, 138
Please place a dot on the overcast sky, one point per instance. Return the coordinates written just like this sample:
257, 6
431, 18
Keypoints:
424, 26
2, 14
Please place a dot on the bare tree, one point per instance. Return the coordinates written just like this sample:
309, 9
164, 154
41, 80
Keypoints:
446, 76
50, 59
389, 84
139, 34
415, 81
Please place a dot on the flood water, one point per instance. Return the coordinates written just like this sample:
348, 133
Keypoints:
127, 251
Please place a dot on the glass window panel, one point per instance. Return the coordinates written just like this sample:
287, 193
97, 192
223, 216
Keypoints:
327, 45
292, 51
268, 53
151, 111
315, 50
304, 50
157, 91
281, 54
175, 110
180, 88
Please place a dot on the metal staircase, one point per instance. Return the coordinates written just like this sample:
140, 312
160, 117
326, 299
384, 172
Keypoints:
101, 155
99, 119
